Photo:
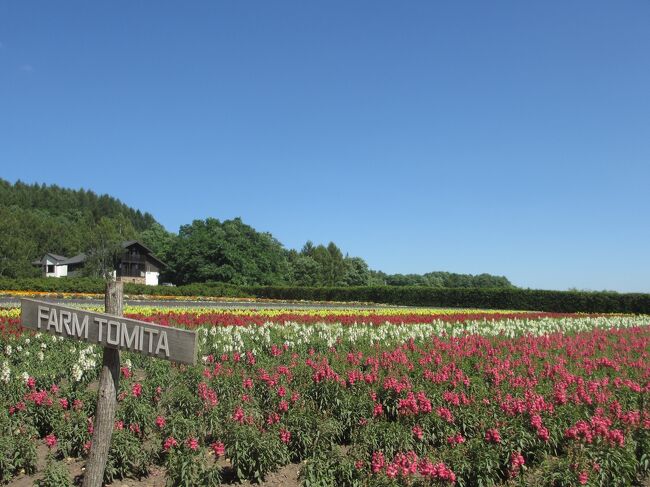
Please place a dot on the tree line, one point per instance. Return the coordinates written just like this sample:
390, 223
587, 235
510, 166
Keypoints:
35, 219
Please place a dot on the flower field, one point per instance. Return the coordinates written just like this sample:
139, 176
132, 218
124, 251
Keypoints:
387, 396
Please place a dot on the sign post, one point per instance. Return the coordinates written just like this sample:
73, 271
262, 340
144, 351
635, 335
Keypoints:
113, 332
107, 395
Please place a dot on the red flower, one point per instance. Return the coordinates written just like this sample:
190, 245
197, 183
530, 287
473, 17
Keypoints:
51, 441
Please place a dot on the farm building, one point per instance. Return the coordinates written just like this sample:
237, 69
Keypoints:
137, 264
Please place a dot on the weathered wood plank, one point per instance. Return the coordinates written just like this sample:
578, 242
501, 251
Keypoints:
106, 397
106, 330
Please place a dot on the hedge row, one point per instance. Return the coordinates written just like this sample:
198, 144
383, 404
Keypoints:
514, 299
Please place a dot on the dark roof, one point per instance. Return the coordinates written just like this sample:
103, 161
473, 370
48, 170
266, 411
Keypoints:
130, 243
57, 259
77, 259
80, 258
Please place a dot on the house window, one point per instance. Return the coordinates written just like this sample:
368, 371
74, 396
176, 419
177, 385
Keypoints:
50, 268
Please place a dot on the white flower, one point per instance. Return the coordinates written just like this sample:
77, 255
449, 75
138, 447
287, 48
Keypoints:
25, 377
77, 373
5, 373
8, 350
41, 355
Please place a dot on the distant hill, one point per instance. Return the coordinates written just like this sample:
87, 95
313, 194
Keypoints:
35, 219
39, 218
57, 201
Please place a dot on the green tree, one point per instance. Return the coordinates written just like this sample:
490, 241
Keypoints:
305, 271
357, 272
16, 250
159, 240
232, 252
105, 247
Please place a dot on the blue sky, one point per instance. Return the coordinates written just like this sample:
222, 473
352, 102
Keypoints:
506, 137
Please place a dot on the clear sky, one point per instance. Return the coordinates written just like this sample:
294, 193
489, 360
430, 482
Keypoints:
507, 137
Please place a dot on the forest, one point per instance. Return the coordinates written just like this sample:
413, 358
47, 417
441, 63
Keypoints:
39, 218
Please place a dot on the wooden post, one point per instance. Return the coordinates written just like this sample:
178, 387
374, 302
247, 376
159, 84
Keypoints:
107, 395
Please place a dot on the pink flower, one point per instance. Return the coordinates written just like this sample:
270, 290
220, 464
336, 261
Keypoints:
285, 436
378, 410
377, 463
51, 441
136, 390
160, 422
170, 442
238, 415
493, 436
583, 478
192, 443
64, 403
417, 432
516, 462
218, 448
392, 470
445, 414
456, 439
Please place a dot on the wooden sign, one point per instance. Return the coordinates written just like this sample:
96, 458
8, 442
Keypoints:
105, 330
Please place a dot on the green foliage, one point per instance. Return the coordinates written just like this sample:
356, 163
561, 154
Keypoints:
126, 457
17, 453
512, 299
442, 280
330, 469
57, 201
104, 248
187, 468
254, 454
229, 251
72, 433
161, 242
56, 474
36, 219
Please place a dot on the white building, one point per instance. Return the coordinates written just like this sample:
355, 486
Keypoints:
137, 265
